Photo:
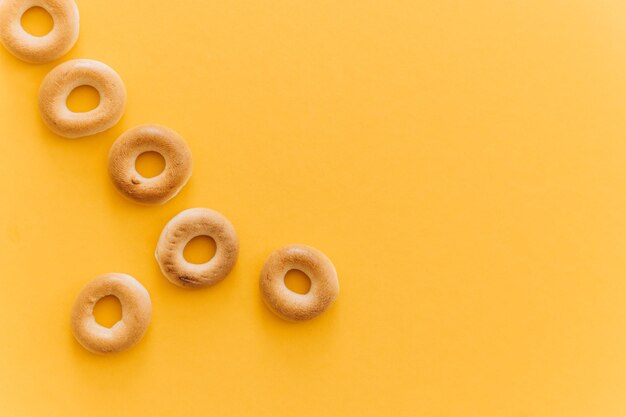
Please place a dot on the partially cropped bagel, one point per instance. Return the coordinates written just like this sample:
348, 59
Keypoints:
184, 227
62, 80
150, 138
136, 314
39, 49
290, 305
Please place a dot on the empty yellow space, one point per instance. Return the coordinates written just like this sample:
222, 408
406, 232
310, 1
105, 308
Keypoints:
200, 249
83, 99
37, 21
108, 311
150, 164
297, 281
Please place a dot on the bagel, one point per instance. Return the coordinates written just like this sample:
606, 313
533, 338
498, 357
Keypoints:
136, 314
63, 79
39, 49
184, 227
146, 138
290, 305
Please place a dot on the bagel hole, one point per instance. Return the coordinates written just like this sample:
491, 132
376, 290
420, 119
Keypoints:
37, 21
200, 250
83, 99
150, 164
108, 311
297, 281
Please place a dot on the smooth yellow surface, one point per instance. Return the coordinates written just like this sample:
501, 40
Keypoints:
462, 162
83, 99
200, 249
297, 281
108, 311
37, 21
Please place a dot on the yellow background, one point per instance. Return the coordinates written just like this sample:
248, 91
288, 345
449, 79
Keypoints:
462, 162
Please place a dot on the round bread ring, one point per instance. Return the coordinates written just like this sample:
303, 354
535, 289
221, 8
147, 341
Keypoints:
146, 138
290, 305
60, 82
180, 230
136, 314
39, 49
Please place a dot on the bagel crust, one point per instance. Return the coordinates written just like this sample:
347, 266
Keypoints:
150, 138
290, 305
136, 314
39, 49
184, 227
63, 79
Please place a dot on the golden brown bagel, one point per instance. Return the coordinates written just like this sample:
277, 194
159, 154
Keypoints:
146, 138
39, 49
60, 82
184, 227
288, 304
136, 314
